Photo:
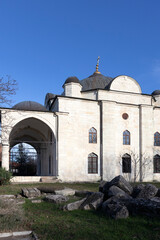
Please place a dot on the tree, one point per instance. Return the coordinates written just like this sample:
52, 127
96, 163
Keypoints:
8, 88
26, 164
138, 166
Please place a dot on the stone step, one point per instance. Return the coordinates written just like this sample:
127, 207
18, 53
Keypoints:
48, 179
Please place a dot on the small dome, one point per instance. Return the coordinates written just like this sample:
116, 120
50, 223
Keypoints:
156, 92
72, 79
30, 106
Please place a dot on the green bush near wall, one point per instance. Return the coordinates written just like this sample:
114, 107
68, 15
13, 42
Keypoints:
5, 176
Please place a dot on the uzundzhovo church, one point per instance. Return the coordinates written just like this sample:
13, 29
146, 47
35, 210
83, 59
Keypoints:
99, 127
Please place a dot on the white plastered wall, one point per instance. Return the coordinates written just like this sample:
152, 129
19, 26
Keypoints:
74, 146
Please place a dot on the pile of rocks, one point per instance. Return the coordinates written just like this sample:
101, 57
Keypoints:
116, 199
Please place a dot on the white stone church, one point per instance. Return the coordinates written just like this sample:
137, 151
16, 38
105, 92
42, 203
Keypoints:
98, 128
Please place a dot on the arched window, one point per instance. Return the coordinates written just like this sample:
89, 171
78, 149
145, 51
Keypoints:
126, 137
126, 163
92, 135
92, 163
156, 163
157, 139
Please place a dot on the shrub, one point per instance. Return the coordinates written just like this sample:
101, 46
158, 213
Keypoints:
5, 176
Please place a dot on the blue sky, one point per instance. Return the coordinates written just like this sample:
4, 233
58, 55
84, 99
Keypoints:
42, 42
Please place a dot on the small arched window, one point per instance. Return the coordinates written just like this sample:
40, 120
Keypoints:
157, 139
92, 135
126, 163
92, 163
156, 164
126, 137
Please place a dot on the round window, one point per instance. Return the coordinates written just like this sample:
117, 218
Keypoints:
125, 116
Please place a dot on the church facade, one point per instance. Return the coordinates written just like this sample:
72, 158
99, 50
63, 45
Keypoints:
98, 128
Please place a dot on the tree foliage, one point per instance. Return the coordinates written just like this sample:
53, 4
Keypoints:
8, 88
5, 176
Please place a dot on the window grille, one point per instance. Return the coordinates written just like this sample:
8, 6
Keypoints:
126, 137
157, 139
92, 163
126, 163
92, 135
156, 164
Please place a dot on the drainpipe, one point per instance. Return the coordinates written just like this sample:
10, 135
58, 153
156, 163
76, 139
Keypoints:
101, 139
57, 142
140, 142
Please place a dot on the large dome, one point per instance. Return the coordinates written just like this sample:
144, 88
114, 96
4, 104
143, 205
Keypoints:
30, 106
95, 81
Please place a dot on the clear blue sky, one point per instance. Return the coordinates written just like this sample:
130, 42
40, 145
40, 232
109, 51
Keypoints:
42, 42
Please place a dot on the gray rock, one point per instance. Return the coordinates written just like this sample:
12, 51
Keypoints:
30, 192
82, 193
102, 186
116, 191
149, 191
7, 196
137, 189
116, 211
155, 199
120, 182
115, 200
94, 201
158, 193
56, 198
65, 192
145, 207
74, 205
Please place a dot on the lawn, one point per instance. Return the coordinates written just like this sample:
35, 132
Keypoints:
51, 223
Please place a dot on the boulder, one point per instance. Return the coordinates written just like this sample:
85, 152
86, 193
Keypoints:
155, 199
158, 193
102, 186
65, 192
82, 193
137, 189
149, 191
116, 211
30, 192
74, 205
94, 201
48, 189
56, 198
116, 191
145, 207
120, 182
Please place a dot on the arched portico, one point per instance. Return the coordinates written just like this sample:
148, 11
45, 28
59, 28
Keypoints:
38, 134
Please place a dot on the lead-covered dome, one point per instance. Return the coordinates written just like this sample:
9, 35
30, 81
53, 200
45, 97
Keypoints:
156, 92
30, 106
95, 81
72, 79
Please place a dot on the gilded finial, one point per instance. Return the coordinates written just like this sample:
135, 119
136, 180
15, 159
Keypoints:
97, 66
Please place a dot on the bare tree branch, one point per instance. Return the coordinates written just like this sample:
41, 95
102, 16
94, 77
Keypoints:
8, 88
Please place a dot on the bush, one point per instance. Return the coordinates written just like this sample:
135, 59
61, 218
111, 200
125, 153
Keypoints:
5, 176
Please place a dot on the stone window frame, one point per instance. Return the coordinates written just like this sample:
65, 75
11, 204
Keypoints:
92, 135
126, 138
156, 139
92, 163
156, 164
126, 163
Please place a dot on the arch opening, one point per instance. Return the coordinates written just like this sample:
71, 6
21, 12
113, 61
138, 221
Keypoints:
23, 160
36, 135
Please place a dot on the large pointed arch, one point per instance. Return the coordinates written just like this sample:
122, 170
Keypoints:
38, 134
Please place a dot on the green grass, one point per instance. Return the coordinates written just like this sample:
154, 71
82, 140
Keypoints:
49, 222
16, 188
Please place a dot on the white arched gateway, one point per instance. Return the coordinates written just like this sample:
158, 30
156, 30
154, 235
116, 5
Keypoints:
34, 127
